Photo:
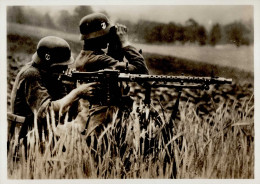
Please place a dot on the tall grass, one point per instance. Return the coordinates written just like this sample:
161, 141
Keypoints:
220, 145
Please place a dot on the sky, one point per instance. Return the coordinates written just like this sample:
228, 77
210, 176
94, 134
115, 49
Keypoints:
203, 14
181, 13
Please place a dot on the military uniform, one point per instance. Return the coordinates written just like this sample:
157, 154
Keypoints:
37, 87
97, 31
94, 60
32, 92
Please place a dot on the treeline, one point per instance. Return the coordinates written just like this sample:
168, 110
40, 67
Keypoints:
237, 33
63, 20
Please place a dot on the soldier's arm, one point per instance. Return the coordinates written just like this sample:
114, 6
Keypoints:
135, 59
94, 61
35, 92
39, 100
85, 91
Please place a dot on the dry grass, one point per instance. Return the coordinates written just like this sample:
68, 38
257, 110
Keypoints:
219, 146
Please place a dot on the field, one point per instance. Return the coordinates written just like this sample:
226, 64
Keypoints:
213, 134
223, 55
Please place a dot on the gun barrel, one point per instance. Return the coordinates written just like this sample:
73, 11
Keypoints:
166, 78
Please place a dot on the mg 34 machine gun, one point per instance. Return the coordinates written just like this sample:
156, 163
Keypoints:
114, 88
112, 91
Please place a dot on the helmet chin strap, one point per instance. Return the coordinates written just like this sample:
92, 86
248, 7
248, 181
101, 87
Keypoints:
90, 46
43, 67
96, 43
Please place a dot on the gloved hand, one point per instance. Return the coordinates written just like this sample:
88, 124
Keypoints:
87, 91
121, 32
117, 40
122, 66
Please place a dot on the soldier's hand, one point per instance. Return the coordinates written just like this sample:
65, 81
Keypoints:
122, 66
121, 32
87, 90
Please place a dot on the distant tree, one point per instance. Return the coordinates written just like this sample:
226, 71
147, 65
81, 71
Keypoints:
149, 31
236, 34
16, 14
64, 20
48, 21
32, 16
154, 32
202, 35
215, 34
28, 15
191, 23
70, 22
81, 11
179, 34
250, 26
168, 32
191, 30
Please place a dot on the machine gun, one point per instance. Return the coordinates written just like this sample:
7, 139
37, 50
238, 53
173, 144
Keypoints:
114, 85
112, 89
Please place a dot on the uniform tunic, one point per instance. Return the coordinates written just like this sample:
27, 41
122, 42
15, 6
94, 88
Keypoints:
99, 115
94, 60
33, 91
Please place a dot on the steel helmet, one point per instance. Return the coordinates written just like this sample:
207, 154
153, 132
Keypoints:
94, 25
52, 51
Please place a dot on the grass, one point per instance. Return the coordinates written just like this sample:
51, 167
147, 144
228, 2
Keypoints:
217, 146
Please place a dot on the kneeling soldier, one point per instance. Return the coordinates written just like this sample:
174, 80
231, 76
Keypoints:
37, 88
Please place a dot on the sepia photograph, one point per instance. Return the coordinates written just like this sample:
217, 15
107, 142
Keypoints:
129, 91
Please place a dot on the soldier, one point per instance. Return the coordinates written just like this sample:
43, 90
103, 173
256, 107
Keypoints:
98, 33
37, 88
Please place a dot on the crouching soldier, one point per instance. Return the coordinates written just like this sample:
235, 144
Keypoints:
99, 34
106, 46
37, 88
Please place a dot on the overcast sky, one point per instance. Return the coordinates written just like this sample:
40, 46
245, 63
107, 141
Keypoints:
179, 13
203, 14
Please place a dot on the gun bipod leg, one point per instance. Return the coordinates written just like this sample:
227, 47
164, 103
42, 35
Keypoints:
148, 88
170, 131
175, 107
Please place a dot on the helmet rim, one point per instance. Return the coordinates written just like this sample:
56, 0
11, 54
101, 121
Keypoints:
95, 34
